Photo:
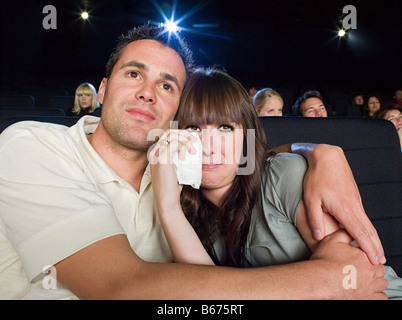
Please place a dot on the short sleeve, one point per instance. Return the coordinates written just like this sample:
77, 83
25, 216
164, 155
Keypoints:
283, 183
50, 207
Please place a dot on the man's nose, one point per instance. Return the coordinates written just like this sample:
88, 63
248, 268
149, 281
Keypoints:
146, 94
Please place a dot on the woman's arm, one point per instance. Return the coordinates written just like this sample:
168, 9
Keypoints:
183, 241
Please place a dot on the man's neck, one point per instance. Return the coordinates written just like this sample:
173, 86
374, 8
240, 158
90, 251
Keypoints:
127, 163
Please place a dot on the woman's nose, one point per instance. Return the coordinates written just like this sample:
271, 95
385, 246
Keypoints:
207, 140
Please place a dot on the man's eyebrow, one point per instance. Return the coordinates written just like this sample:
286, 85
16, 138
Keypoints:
169, 77
135, 64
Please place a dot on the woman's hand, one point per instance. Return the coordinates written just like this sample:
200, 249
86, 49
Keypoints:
164, 179
183, 241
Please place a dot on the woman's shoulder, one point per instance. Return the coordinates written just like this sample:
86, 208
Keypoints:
284, 165
282, 183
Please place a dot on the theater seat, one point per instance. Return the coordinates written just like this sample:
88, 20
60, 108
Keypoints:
64, 120
374, 153
17, 100
11, 112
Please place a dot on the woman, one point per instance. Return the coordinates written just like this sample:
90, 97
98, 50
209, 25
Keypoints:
268, 103
373, 105
85, 101
247, 220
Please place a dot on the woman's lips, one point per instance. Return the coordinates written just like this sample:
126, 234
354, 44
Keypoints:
210, 166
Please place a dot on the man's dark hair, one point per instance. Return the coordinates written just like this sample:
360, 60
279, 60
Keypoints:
151, 32
296, 108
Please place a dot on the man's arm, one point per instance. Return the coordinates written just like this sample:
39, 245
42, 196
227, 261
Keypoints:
109, 269
329, 187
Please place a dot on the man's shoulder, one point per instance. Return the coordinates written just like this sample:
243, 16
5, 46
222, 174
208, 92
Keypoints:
36, 143
25, 129
46, 131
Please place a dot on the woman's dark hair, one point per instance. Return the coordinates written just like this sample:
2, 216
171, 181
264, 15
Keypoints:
213, 97
384, 109
151, 32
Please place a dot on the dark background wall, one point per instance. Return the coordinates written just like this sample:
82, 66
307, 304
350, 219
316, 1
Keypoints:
288, 45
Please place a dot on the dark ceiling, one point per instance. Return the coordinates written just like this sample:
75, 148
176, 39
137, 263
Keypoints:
253, 40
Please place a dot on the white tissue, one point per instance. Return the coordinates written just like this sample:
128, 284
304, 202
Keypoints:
189, 171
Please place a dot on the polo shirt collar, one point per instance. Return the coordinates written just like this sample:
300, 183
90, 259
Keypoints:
104, 174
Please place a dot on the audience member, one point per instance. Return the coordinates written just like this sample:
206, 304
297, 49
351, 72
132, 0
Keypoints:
251, 92
358, 99
87, 214
356, 107
268, 102
373, 105
310, 104
398, 96
393, 113
85, 101
248, 220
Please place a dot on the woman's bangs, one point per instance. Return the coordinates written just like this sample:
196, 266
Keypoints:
207, 109
84, 90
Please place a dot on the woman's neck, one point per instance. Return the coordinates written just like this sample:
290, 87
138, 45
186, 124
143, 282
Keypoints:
215, 195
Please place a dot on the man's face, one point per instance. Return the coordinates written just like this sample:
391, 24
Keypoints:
142, 93
398, 95
313, 107
359, 100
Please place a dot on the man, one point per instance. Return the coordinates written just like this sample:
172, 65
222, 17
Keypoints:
310, 104
398, 96
77, 207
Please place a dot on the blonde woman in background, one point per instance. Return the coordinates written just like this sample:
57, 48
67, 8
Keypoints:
85, 101
268, 103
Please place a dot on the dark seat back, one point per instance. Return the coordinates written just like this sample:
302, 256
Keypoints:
62, 102
64, 120
10, 112
17, 100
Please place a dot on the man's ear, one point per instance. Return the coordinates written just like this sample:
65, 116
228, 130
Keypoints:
101, 91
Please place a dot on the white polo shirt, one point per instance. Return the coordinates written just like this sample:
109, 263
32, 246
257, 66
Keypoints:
58, 196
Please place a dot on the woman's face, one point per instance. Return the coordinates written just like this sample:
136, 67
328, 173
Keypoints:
272, 107
373, 105
222, 146
84, 100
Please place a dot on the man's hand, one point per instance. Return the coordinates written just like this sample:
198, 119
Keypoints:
329, 186
342, 259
